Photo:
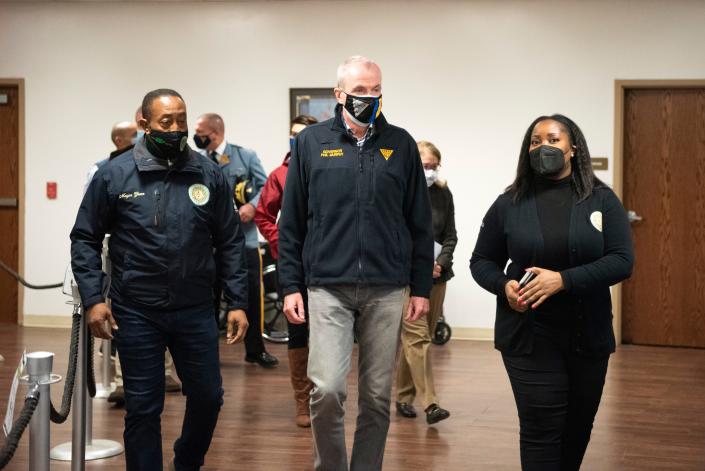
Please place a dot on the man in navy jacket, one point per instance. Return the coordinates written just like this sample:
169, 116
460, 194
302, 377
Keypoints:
172, 222
356, 231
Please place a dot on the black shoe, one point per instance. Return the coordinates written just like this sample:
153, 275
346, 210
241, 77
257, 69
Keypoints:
405, 409
264, 359
171, 385
117, 397
435, 414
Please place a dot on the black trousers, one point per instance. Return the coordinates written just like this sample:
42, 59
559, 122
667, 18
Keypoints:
298, 333
557, 393
192, 338
253, 338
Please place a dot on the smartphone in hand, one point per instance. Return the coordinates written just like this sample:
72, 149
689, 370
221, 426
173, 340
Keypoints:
528, 276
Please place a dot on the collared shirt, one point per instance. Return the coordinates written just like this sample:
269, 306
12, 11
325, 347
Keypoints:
361, 141
218, 150
221, 148
240, 164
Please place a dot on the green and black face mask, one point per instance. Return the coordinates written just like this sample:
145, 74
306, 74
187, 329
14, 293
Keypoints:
167, 145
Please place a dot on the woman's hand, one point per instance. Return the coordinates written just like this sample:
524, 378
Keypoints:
511, 289
543, 286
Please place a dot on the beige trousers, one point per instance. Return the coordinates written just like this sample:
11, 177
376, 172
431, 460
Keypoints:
414, 373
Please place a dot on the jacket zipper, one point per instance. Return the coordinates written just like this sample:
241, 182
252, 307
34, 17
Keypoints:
372, 178
171, 294
157, 196
357, 217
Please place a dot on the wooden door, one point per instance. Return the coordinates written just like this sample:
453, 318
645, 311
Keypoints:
664, 184
9, 202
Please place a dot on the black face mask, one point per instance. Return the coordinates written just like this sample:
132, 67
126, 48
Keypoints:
201, 142
363, 109
547, 161
167, 145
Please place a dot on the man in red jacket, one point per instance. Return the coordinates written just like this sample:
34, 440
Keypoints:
270, 203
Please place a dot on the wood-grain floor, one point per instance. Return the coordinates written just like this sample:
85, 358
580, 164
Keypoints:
652, 415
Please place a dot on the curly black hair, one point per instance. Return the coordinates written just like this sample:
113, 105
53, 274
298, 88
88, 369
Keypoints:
582, 175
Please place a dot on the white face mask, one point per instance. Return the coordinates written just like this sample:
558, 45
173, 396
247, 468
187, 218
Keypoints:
431, 176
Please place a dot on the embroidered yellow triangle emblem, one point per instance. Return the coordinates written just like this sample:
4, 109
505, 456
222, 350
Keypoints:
386, 153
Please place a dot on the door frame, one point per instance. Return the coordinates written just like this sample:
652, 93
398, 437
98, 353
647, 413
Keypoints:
620, 89
19, 83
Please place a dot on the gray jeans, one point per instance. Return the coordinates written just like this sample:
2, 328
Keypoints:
374, 313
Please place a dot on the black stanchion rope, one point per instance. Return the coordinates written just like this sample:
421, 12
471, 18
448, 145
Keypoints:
24, 282
60, 416
32, 399
18, 428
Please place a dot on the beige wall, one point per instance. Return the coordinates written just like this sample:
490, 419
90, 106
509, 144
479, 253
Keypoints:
468, 76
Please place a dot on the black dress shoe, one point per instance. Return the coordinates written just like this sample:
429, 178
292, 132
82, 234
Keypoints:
117, 397
171, 385
405, 409
263, 359
435, 414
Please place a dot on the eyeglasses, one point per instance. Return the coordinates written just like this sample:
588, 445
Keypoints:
431, 166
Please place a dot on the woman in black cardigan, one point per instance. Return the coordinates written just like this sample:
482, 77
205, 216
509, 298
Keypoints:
562, 224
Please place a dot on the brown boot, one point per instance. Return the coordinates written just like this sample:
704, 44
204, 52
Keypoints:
298, 365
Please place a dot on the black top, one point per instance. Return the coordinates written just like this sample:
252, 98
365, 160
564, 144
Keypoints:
355, 214
117, 152
554, 203
600, 254
443, 215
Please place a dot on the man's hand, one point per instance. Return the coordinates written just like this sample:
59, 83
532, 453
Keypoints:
511, 290
247, 212
546, 284
437, 270
236, 318
294, 308
100, 321
418, 307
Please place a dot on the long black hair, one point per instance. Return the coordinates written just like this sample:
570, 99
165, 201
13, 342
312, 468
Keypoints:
582, 176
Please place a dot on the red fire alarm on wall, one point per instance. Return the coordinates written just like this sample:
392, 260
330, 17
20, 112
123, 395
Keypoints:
51, 190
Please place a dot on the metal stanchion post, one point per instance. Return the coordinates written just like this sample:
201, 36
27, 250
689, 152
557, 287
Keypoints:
107, 357
82, 447
39, 366
96, 449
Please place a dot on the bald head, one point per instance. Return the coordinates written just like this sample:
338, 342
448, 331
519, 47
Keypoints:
213, 121
123, 133
210, 125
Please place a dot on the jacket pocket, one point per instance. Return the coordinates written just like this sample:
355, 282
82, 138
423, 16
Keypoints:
334, 248
385, 256
513, 332
198, 266
144, 284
